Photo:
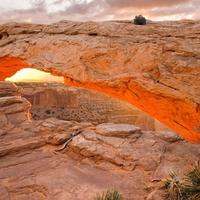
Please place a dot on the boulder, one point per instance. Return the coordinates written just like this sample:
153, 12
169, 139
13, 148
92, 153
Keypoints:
168, 136
118, 130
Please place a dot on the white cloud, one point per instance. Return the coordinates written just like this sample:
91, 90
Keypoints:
48, 11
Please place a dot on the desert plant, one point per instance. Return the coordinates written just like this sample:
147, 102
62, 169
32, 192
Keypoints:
139, 20
192, 187
174, 187
186, 187
48, 112
147, 188
111, 194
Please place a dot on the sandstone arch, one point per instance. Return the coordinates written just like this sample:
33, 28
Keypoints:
154, 67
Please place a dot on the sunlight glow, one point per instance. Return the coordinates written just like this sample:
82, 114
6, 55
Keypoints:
34, 75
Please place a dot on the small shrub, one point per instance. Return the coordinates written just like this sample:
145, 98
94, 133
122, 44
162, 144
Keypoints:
48, 111
139, 20
34, 116
147, 188
186, 187
192, 187
111, 194
174, 187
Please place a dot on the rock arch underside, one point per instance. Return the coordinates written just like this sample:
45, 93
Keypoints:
155, 67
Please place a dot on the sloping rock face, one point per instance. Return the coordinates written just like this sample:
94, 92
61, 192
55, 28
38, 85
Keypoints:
155, 67
100, 157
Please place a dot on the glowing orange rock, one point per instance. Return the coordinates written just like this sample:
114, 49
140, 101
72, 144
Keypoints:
155, 67
9, 66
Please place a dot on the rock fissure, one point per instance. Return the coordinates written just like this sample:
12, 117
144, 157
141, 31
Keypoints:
168, 86
75, 133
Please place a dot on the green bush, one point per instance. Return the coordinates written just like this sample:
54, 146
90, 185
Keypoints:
192, 187
111, 194
186, 187
48, 112
174, 187
139, 20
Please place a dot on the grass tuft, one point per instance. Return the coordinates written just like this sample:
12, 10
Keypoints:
111, 194
186, 187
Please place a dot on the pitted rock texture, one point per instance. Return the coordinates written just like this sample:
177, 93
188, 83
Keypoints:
155, 67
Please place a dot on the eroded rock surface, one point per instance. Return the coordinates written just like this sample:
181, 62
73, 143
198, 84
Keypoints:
155, 67
90, 163
13, 108
139, 150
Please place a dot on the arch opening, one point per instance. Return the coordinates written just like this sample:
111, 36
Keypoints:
34, 75
53, 98
82, 105
181, 116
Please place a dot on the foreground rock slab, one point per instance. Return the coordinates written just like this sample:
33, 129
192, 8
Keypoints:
145, 151
91, 163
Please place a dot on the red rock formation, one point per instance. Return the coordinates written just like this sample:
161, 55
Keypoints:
154, 67
9, 66
13, 108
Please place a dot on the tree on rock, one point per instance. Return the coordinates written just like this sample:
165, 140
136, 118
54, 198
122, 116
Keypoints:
139, 20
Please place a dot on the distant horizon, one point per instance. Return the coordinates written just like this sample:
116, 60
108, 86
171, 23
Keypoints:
34, 75
33, 81
51, 11
113, 20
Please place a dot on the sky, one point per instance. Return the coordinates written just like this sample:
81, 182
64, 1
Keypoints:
50, 11
34, 75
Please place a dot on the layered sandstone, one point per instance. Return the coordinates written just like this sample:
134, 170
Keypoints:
155, 67
14, 109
